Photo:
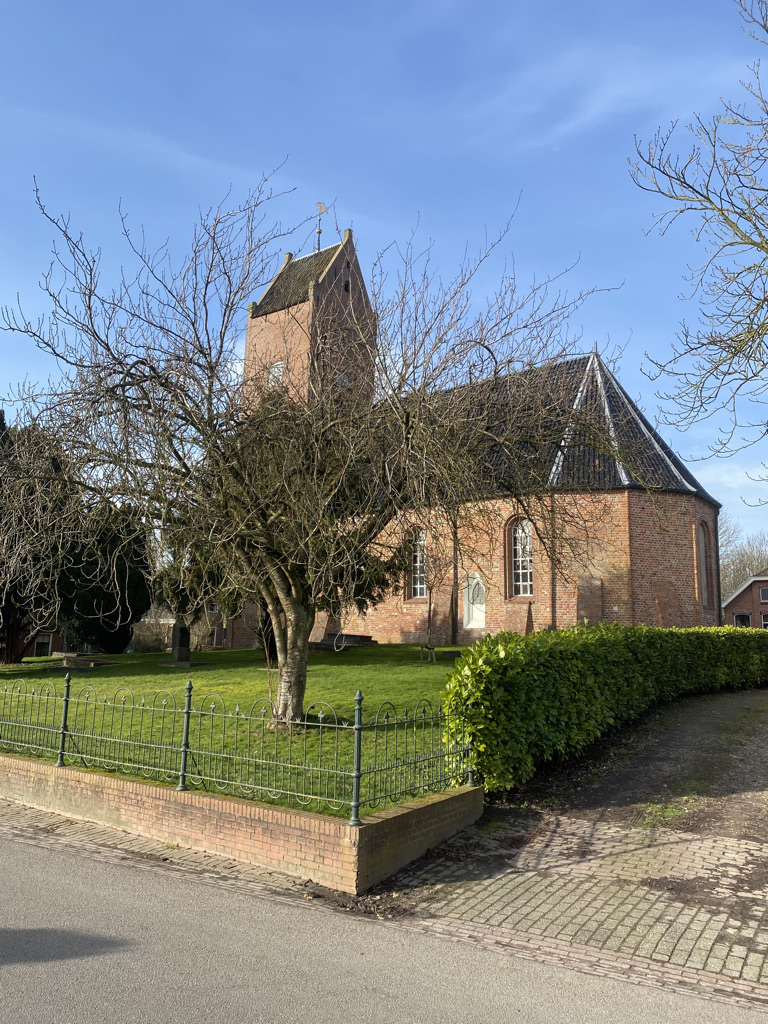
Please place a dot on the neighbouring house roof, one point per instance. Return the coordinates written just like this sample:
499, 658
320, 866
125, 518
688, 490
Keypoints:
588, 433
290, 286
744, 586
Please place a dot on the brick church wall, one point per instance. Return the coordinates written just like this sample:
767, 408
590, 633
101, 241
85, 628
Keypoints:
665, 559
281, 337
639, 564
601, 569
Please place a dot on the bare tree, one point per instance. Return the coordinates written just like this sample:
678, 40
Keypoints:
729, 533
740, 556
299, 498
719, 185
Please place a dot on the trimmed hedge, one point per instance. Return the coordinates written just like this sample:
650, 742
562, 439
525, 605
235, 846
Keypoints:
528, 699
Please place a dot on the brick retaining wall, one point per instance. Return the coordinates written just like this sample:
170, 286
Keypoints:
324, 849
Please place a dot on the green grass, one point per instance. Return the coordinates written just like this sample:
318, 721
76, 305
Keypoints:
240, 753
389, 672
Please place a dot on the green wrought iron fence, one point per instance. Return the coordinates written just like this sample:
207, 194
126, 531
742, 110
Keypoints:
318, 760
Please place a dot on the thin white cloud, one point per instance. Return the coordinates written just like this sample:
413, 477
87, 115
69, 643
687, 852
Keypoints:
548, 101
131, 145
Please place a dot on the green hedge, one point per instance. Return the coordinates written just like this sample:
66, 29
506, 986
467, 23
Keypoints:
529, 699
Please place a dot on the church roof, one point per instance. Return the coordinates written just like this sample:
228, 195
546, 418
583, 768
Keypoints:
589, 434
290, 286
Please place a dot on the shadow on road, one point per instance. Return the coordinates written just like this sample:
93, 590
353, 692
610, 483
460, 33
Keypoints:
38, 945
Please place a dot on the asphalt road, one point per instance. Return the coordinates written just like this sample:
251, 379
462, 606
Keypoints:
88, 941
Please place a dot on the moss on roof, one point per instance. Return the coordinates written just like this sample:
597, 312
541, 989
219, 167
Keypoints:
291, 284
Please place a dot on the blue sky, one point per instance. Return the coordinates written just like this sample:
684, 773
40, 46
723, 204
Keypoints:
445, 113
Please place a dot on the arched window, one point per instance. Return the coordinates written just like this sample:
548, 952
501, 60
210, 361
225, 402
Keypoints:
275, 375
518, 553
706, 590
474, 602
417, 584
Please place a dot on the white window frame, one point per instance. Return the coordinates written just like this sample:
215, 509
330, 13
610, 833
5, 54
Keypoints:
522, 558
765, 620
40, 637
742, 615
474, 602
275, 375
763, 595
418, 581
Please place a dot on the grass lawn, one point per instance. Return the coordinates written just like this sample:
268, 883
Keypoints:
389, 672
306, 764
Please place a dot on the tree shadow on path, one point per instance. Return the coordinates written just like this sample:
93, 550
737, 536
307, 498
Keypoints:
40, 945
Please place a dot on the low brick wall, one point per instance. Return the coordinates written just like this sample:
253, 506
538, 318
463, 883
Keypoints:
324, 849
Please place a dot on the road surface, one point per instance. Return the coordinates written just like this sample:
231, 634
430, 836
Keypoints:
83, 940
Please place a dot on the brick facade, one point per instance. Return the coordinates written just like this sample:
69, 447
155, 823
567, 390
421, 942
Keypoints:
55, 643
334, 305
747, 601
639, 563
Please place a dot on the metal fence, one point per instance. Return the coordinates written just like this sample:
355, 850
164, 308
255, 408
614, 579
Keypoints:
318, 760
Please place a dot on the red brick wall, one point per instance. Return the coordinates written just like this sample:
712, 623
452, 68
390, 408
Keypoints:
605, 556
281, 337
748, 603
633, 560
318, 847
57, 643
334, 328
665, 560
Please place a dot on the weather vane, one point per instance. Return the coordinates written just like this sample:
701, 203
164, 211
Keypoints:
321, 209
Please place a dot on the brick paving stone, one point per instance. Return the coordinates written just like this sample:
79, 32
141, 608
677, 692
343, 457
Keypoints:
655, 893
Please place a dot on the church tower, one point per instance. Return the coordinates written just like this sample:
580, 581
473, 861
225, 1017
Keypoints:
313, 330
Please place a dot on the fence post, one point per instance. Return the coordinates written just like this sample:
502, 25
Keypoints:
64, 716
470, 769
182, 786
357, 770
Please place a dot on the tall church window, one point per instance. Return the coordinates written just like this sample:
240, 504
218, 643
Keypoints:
418, 581
518, 551
474, 602
275, 375
706, 590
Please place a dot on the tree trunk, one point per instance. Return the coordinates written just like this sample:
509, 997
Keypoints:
266, 633
12, 640
292, 657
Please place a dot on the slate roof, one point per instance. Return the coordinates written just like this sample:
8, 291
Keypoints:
290, 286
589, 434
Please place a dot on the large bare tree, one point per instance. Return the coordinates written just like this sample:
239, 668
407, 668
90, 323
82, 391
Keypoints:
717, 182
298, 498
740, 556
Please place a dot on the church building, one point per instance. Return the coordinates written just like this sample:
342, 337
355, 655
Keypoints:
651, 553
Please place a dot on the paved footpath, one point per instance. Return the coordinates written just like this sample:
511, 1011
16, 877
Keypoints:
626, 899
647, 906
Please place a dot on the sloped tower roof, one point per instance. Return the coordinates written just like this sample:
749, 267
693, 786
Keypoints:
290, 286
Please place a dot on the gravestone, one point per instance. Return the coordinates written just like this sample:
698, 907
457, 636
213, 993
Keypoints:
180, 642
